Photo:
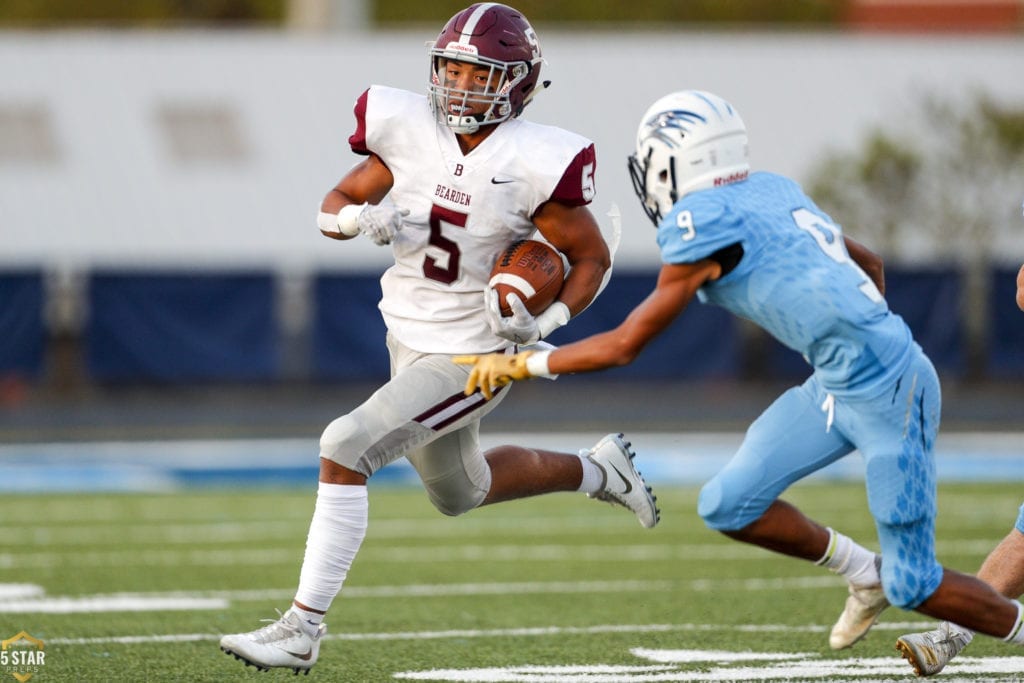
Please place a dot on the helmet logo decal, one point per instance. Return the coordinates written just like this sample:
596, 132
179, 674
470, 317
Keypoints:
461, 48
667, 122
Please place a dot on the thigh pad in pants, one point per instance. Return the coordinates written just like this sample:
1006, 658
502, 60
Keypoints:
790, 440
423, 400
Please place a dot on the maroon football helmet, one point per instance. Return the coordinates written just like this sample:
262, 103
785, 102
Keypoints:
495, 37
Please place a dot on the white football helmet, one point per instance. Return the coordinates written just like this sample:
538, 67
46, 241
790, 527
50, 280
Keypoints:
687, 141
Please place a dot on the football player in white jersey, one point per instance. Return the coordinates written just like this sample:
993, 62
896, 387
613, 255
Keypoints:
449, 181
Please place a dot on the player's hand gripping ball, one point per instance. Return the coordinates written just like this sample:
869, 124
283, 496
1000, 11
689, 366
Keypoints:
530, 269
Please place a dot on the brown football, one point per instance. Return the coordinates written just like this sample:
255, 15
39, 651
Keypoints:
532, 270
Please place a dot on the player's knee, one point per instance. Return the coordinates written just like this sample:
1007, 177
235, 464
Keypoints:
906, 584
334, 435
454, 495
453, 504
337, 438
722, 506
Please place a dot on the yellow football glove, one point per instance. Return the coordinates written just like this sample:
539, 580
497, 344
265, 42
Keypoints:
494, 370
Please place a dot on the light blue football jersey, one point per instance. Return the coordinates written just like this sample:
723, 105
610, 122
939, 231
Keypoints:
795, 280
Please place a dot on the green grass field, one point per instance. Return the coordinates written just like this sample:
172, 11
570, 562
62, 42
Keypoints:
559, 588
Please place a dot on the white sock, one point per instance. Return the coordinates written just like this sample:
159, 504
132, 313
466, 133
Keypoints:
310, 620
335, 534
1016, 635
593, 475
854, 562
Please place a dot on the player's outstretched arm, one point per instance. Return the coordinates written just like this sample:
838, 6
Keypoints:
677, 285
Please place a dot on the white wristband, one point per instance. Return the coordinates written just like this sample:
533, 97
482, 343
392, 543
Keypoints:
348, 219
327, 222
537, 364
552, 317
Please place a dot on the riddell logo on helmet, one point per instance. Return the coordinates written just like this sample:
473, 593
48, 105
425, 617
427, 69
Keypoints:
734, 178
459, 47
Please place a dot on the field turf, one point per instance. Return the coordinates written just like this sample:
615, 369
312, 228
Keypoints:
133, 587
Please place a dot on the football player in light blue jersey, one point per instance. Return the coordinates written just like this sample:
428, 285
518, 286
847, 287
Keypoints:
756, 245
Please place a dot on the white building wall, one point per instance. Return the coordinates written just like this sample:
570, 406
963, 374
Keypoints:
115, 196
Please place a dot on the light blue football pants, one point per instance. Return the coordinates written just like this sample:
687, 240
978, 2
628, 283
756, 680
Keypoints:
806, 429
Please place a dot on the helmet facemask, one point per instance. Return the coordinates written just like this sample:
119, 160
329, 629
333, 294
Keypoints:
464, 111
654, 182
491, 36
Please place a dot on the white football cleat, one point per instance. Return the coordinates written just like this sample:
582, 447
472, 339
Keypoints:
930, 652
283, 643
623, 485
862, 609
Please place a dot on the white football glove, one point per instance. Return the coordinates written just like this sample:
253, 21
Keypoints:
520, 327
380, 222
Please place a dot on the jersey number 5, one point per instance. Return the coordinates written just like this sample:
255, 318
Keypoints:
445, 269
829, 238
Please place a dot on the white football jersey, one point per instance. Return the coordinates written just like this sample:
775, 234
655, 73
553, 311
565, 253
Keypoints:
464, 211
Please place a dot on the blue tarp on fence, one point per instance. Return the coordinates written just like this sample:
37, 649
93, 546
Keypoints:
347, 329
222, 326
1006, 335
23, 337
182, 327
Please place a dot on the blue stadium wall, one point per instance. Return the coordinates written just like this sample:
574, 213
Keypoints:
187, 327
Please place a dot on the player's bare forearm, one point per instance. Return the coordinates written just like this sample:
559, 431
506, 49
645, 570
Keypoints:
599, 352
870, 262
573, 230
582, 283
677, 285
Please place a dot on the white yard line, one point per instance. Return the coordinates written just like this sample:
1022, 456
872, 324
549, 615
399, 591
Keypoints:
96, 604
658, 665
722, 666
29, 599
205, 531
487, 633
403, 554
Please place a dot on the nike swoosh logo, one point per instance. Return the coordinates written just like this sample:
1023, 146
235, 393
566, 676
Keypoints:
304, 657
502, 181
629, 487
